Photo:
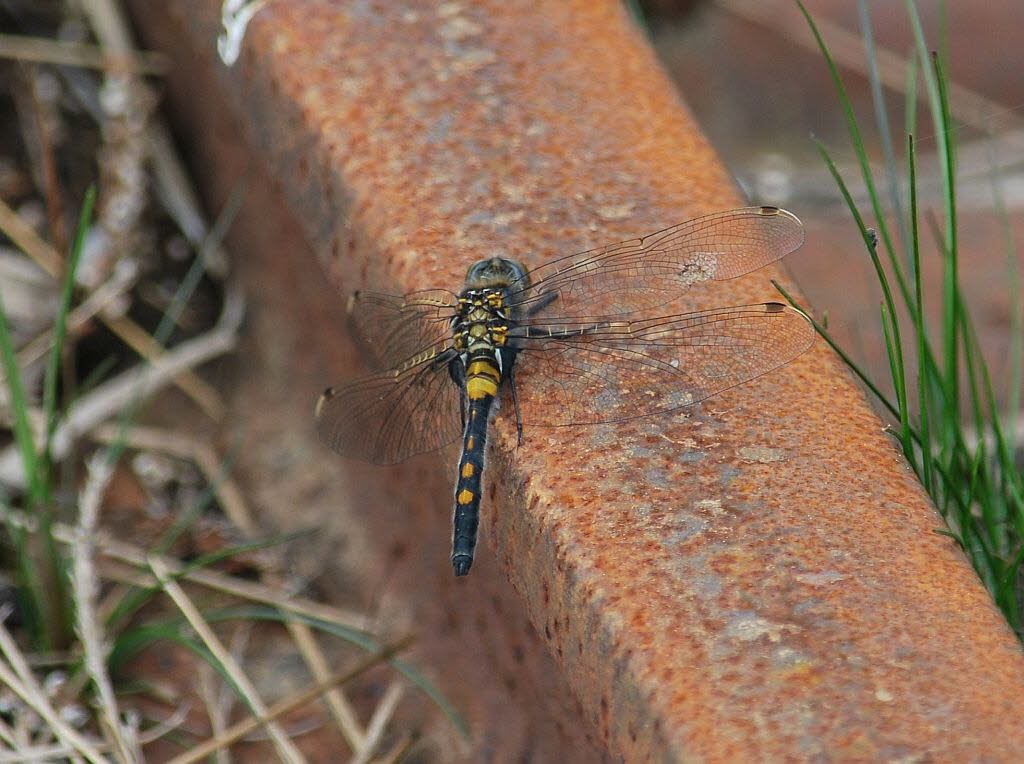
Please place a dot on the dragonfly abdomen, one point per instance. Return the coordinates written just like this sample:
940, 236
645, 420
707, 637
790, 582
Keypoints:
482, 379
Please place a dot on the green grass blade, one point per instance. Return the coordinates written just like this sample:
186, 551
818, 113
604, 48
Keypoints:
1003, 461
30, 592
61, 323
136, 640
977, 486
843, 355
971, 362
943, 51
910, 102
135, 598
1015, 371
363, 640
882, 123
895, 355
178, 302
938, 102
18, 403
899, 372
188, 517
923, 410
39, 579
862, 158
951, 272
930, 83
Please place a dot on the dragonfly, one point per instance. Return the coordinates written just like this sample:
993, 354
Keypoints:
587, 329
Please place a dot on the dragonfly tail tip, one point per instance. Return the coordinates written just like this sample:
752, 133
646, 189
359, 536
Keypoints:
461, 564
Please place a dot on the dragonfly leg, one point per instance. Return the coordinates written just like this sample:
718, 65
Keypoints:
542, 303
458, 374
515, 406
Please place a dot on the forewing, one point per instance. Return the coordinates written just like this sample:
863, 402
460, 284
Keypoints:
389, 416
648, 272
395, 327
621, 370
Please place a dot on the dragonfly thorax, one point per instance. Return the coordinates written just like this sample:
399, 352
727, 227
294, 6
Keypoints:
481, 323
480, 331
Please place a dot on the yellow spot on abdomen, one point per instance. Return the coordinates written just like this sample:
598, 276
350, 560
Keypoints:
467, 470
465, 497
470, 443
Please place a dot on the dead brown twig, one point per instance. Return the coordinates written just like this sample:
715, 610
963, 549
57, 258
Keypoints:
42, 50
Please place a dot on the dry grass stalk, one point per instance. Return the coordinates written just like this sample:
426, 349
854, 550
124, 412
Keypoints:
286, 705
284, 745
201, 453
6, 734
216, 711
29, 242
143, 343
58, 752
181, 201
50, 261
226, 584
379, 722
98, 300
111, 397
85, 587
340, 709
42, 50
137, 558
399, 750
16, 674
44, 121
847, 48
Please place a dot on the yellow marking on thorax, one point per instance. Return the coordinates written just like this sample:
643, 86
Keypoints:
499, 334
465, 496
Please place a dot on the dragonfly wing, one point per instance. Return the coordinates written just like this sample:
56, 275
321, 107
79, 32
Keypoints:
617, 370
397, 326
650, 271
390, 416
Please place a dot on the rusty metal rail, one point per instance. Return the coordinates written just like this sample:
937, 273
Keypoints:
758, 579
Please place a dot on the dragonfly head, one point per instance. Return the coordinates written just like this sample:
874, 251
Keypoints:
496, 272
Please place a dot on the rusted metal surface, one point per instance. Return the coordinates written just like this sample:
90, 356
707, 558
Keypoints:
756, 579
